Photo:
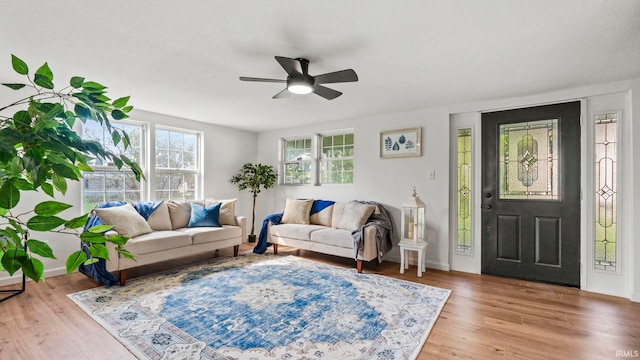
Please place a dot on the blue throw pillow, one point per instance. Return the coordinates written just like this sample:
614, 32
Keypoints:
205, 216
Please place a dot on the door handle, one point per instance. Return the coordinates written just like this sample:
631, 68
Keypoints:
487, 206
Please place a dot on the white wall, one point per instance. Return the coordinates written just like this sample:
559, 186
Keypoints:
388, 181
225, 150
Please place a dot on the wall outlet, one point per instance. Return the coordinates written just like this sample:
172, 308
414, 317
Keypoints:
431, 174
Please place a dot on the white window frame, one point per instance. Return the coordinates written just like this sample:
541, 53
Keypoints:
113, 168
285, 161
198, 163
322, 162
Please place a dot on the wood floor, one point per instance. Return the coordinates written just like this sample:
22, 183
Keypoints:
485, 318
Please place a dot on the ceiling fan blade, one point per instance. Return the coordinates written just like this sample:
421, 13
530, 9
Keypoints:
325, 92
337, 77
244, 78
291, 66
282, 94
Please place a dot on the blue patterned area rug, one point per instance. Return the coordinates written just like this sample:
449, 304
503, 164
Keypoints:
266, 307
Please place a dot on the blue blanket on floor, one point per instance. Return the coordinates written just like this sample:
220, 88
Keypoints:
261, 247
98, 270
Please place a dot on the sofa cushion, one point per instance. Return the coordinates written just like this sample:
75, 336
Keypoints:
157, 241
227, 210
205, 216
333, 237
159, 218
201, 235
322, 217
296, 211
180, 212
295, 231
125, 220
355, 215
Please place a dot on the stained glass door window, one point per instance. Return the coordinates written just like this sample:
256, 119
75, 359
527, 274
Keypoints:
528, 160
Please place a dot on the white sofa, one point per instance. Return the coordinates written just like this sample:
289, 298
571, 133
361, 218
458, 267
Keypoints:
170, 237
330, 231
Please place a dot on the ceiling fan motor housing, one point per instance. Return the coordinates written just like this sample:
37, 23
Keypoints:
300, 84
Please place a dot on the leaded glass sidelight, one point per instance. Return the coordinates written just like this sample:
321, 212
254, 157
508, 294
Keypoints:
605, 156
529, 160
464, 241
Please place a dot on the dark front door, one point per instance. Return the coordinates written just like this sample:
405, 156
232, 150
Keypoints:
531, 193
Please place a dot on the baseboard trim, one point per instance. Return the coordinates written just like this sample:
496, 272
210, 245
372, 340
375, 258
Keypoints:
17, 277
635, 297
438, 266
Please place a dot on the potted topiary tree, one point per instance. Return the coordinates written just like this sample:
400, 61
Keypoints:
254, 177
40, 151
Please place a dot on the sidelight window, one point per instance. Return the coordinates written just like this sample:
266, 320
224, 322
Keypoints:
606, 191
464, 240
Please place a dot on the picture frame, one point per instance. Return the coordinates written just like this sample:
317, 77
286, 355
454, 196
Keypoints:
401, 143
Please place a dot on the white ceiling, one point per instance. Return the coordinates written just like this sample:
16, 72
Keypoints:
184, 58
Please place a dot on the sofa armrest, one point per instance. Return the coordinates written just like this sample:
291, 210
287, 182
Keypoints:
242, 222
113, 264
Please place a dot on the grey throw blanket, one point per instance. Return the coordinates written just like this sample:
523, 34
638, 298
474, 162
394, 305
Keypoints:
384, 230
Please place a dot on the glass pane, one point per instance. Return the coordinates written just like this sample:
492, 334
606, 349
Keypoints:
464, 244
605, 168
528, 160
190, 142
162, 139
114, 181
175, 140
175, 159
189, 160
94, 181
91, 199
348, 139
162, 181
338, 140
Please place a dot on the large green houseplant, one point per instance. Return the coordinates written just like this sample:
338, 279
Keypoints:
40, 151
254, 177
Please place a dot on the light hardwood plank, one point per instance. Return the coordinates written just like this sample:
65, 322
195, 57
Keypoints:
486, 317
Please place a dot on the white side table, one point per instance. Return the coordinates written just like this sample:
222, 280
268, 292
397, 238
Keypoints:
420, 247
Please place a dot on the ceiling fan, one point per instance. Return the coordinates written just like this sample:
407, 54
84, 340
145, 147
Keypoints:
300, 82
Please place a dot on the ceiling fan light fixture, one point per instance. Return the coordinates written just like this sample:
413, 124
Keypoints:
299, 86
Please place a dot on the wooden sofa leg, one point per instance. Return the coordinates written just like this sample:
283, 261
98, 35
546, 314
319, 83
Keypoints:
275, 249
359, 266
235, 250
123, 277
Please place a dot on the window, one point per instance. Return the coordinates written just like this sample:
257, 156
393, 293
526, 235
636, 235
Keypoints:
107, 182
298, 155
606, 191
177, 165
465, 234
336, 159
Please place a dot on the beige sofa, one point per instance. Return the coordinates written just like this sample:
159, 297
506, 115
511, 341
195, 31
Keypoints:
330, 231
170, 237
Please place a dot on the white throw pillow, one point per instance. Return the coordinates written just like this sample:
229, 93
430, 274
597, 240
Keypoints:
355, 215
297, 211
125, 220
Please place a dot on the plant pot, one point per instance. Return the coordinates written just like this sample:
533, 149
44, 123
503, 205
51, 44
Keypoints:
252, 238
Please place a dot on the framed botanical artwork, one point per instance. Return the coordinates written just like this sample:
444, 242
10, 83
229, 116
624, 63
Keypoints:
401, 143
